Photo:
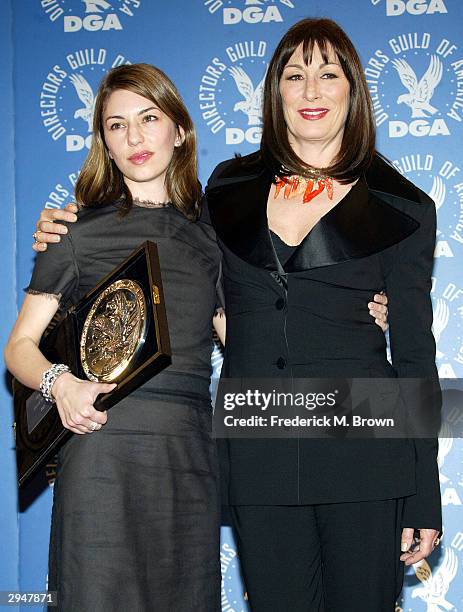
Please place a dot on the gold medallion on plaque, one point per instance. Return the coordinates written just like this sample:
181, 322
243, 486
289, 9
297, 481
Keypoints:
114, 331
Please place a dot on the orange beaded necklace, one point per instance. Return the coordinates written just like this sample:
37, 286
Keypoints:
311, 187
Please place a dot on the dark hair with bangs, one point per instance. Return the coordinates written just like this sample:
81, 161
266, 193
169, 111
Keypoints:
358, 142
100, 180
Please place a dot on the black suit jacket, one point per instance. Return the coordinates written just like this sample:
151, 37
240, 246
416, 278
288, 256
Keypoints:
309, 318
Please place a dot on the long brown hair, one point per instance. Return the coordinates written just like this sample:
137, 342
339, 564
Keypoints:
100, 180
358, 143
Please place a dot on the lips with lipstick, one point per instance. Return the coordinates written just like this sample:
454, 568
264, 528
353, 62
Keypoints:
313, 114
140, 157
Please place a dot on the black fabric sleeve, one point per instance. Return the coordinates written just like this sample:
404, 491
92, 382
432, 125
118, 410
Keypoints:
408, 286
205, 216
56, 272
220, 294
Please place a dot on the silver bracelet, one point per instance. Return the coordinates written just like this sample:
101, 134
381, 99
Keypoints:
49, 377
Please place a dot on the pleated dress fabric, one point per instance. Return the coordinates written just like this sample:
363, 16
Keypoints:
135, 522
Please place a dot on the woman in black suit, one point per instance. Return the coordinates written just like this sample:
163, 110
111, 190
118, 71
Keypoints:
320, 523
310, 227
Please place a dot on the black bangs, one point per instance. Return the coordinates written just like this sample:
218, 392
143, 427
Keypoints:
316, 38
308, 45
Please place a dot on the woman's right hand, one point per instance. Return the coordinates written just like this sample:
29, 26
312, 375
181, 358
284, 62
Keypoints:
47, 230
75, 398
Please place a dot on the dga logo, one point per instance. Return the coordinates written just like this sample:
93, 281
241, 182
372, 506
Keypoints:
233, 597
436, 583
442, 179
90, 15
416, 84
395, 8
249, 11
67, 98
230, 93
62, 193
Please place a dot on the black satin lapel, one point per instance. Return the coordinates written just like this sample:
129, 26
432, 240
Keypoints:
239, 216
360, 225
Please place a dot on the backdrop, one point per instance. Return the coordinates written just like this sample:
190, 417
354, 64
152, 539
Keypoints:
54, 52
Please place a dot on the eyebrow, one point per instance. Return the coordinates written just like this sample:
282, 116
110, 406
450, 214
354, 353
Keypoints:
145, 110
320, 66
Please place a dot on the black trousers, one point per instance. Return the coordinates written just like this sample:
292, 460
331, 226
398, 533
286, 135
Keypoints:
321, 558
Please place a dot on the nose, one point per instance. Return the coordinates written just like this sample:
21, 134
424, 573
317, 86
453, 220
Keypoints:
134, 134
311, 90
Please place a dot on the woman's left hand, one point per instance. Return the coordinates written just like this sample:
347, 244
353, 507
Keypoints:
378, 310
424, 547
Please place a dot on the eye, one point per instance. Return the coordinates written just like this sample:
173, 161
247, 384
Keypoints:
329, 75
294, 77
116, 126
149, 118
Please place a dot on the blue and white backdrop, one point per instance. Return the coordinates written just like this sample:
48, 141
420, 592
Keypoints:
54, 52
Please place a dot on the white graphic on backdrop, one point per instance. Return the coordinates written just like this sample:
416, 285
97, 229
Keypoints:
395, 8
435, 586
407, 55
233, 597
237, 68
440, 177
77, 75
437, 192
252, 104
420, 93
85, 93
96, 6
249, 11
61, 193
90, 15
447, 187
441, 318
448, 309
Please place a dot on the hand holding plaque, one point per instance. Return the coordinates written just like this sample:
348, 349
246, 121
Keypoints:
116, 333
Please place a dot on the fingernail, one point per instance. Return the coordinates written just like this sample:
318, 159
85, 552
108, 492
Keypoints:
64, 230
404, 546
56, 238
372, 312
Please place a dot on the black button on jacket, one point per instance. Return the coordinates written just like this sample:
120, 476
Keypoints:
381, 236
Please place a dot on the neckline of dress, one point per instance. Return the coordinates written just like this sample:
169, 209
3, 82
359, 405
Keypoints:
347, 197
149, 205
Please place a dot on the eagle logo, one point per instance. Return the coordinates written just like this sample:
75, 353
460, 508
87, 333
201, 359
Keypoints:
434, 587
96, 6
420, 93
438, 192
441, 318
85, 93
252, 103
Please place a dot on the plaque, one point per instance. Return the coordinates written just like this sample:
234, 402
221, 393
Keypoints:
116, 333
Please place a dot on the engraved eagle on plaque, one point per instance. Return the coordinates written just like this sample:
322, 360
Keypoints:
114, 331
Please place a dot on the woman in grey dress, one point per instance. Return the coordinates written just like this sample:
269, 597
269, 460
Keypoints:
135, 521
